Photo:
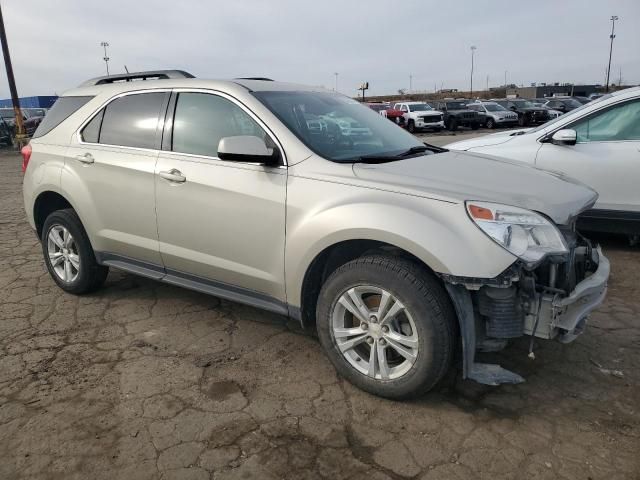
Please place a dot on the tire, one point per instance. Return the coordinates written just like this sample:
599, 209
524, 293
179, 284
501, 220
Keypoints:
453, 124
475, 126
411, 126
437, 129
522, 121
84, 274
491, 124
427, 320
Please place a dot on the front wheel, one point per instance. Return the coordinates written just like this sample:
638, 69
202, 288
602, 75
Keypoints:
490, 123
68, 253
453, 125
411, 126
387, 326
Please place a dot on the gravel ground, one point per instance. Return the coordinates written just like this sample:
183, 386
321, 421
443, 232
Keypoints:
143, 380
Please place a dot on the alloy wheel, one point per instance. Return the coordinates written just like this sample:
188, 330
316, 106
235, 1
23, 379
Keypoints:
374, 332
63, 253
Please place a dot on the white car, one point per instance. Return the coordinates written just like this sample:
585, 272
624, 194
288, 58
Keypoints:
420, 115
495, 115
598, 144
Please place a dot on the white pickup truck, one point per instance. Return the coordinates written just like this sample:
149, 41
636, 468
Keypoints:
420, 116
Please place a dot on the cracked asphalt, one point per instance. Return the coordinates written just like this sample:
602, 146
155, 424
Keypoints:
148, 381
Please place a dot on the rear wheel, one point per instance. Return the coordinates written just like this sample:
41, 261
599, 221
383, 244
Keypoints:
522, 121
387, 326
68, 253
475, 126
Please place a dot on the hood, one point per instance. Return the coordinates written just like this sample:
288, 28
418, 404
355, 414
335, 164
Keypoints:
486, 140
462, 110
460, 176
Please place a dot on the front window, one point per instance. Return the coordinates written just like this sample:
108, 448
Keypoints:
456, 105
336, 127
618, 123
420, 107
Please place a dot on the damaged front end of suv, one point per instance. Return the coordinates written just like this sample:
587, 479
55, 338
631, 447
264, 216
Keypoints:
549, 292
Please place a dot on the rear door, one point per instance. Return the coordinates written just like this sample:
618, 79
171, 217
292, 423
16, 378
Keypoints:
606, 155
110, 169
221, 223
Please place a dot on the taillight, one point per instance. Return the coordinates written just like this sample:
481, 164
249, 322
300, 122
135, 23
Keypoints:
26, 155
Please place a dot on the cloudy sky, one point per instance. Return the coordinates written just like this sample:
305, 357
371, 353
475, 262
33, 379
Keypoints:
55, 45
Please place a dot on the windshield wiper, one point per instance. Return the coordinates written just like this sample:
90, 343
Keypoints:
399, 156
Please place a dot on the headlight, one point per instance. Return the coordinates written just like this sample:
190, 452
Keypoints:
524, 233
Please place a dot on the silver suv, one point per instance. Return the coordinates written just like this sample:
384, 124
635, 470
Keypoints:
396, 251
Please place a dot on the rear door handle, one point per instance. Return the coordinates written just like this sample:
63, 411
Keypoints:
173, 175
85, 158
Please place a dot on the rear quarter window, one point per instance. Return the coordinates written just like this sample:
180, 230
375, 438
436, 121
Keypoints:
59, 112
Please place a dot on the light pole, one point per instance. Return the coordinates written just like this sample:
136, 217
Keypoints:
20, 135
612, 36
473, 51
505, 79
410, 83
336, 87
105, 58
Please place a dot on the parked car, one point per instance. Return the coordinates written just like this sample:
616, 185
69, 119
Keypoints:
420, 116
6, 133
528, 114
495, 115
34, 112
552, 113
598, 144
582, 100
30, 123
563, 104
380, 108
458, 114
396, 251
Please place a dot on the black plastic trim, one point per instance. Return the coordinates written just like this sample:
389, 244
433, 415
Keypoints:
194, 282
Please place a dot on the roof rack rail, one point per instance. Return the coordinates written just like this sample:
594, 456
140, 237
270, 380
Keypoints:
128, 77
264, 79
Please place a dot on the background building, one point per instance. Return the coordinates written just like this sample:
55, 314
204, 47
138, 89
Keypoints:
31, 102
540, 91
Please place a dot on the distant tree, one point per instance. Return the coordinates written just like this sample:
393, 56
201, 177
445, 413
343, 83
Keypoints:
402, 91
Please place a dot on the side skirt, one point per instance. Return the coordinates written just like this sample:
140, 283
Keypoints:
192, 282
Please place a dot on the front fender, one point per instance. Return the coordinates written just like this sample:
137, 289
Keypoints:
321, 214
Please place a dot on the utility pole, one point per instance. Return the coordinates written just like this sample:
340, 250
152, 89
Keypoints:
612, 36
505, 79
410, 83
21, 137
473, 51
620, 77
106, 57
487, 83
336, 87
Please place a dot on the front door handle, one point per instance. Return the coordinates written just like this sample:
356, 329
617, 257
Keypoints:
85, 158
173, 175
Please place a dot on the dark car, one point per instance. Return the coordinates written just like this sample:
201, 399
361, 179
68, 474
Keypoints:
30, 123
563, 104
458, 114
528, 113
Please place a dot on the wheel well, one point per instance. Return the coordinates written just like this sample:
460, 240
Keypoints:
47, 203
327, 261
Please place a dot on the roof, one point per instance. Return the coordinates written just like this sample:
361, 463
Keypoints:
230, 85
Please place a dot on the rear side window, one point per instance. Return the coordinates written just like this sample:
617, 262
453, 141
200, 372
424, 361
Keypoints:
129, 121
60, 111
91, 132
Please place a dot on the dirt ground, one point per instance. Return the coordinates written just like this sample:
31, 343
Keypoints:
147, 381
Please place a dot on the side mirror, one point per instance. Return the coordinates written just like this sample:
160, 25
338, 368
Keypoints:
247, 148
564, 137
513, 108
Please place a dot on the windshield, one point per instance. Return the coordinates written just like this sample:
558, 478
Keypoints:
378, 107
456, 105
336, 127
523, 104
494, 107
420, 107
572, 103
563, 117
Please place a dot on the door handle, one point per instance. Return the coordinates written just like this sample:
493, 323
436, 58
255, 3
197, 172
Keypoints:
173, 175
85, 158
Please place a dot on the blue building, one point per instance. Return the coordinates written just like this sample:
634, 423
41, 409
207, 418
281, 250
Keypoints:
31, 102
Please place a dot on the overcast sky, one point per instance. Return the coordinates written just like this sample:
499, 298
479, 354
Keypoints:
55, 45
